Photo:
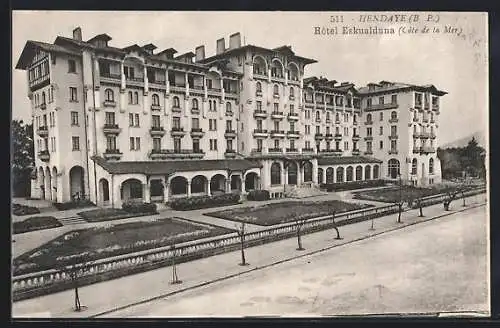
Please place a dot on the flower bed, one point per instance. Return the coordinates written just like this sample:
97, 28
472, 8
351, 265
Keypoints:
258, 195
109, 214
35, 223
277, 213
198, 202
73, 204
20, 210
113, 240
392, 194
352, 185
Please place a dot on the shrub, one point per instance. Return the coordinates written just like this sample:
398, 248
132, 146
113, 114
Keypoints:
351, 185
73, 204
134, 207
198, 202
18, 209
36, 223
258, 195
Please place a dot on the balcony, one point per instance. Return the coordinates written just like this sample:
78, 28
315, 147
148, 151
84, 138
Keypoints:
135, 81
356, 152
381, 106
318, 119
426, 105
293, 116
338, 136
427, 150
415, 119
39, 82
418, 105
197, 133
337, 121
260, 133
176, 109
276, 150
432, 135
177, 132
157, 131
368, 122
259, 113
329, 136
277, 115
195, 110
393, 120
110, 76
291, 97
230, 134
369, 152
433, 120
258, 93
393, 152
230, 153
111, 128
425, 135
256, 151
276, 96
354, 122
277, 134
112, 154
155, 107
318, 136
425, 120
176, 154
435, 107
44, 155
43, 106
177, 88
293, 134
356, 137
109, 103
393, 136
417, 150
292, 150
328, 120
368, 138
43, 131
307, 150
229, 113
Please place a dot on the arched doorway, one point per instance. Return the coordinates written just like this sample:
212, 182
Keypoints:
76, 176
349, 173
359, 172
48, 184
292, 173
131, 189
320, 175
393, 168
368, 171
235, 183
340, 175
251, 181
308, 171
178, 186
199, 184
54, 184
376, 170
104, 190
329, 175
275, 174
41, 182
217, 184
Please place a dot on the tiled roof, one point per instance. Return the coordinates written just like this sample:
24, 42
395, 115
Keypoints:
30, 47
333, 160
168, 167
394, 86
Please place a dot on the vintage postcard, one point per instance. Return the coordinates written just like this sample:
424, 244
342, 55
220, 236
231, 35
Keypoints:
250, 164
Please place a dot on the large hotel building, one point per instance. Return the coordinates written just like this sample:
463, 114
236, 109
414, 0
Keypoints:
115, 124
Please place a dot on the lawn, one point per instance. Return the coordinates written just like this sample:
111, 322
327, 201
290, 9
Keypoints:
277, 213
392, 194
112, 240
35, 223
108, 214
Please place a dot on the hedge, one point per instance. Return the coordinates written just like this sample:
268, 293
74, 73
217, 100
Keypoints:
258, 195
352, 185
36, 223
73, 204
133, 207
18, 209
198, 202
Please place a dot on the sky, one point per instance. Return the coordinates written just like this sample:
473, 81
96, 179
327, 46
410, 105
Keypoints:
454, 62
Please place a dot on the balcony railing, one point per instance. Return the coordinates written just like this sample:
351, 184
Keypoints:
277, 115
307, 150
177, 131
368, 137
177, 153
418, 105
230, 134
260, 132
258, 93
425, 135
277, 133
356, 152
435, 107
432, 135
43, 131
425, 120
292, 150
393, 136
112, 154
381, 106
417, 150
293, 116
328, 136
112, 76
109, 103
256, 151
338, 136
368, 122
111, 128
275, 150
259, 113
393, 152
318, 136
44, 155
393, 120
155, 107
291, 97
293, 134
195, 110
43, 106
428, 150
415, 118
369, 152
230, 153
197, 132
157, 131
176, 109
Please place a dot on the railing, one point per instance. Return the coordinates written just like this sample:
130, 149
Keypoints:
259, 131
50, 281
292, 150
307, 150
381, 106
275, 150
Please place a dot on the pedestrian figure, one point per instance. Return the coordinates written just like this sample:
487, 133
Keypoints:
335, 226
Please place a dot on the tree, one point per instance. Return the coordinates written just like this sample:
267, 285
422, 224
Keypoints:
400, 202
175, 278
335, 224
450, 196
23, 159
76, 268
420, 205
299, 224
241, 234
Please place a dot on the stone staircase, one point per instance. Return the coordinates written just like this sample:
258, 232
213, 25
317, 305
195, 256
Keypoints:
72, 220
303, 191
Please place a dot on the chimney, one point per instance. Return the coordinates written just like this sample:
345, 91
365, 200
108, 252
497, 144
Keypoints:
235, 41
221, 46
200, 53
77, 34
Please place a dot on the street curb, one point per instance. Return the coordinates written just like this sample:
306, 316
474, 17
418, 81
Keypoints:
280, 262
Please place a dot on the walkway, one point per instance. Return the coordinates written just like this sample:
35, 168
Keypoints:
124, 291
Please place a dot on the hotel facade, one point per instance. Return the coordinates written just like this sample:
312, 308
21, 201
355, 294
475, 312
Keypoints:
117, 124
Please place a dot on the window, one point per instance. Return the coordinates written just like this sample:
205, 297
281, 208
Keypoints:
346, 118
317, 130
129, 72
195, 103
393, 168
318, 116
156, 143
394, 115
110, 118
381, 130
337, 117
276, 90
71, 66
328, 116
308, 144
212, 124
53, 143
292, 92
307, 129
72, 95
259, 105
394, 145
259, 144
369, 102
156, 121
176, 122
292, 126
275, 174
337, 145
431, 165
258, 87
74, 118
136, 120
381, 116
276, 126
110, 96
229, 144
196, 145
369, 146
111, 143
381, 100
414, 166
43, 98
156, 100
229, 125
276, 143
136, 98
259, 125
394, 99
346, 131
213, 144
394, 130
346, 145
176, 102
177, 145
381, 144
130, 119
292, 108
76, 143
228, 107
195, 123
130, 97
135, 143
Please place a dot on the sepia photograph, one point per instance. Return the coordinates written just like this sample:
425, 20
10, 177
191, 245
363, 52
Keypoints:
208, 164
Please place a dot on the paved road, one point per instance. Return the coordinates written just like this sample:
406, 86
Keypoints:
436, 266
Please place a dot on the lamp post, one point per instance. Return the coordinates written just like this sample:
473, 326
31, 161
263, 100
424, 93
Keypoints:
400, 203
